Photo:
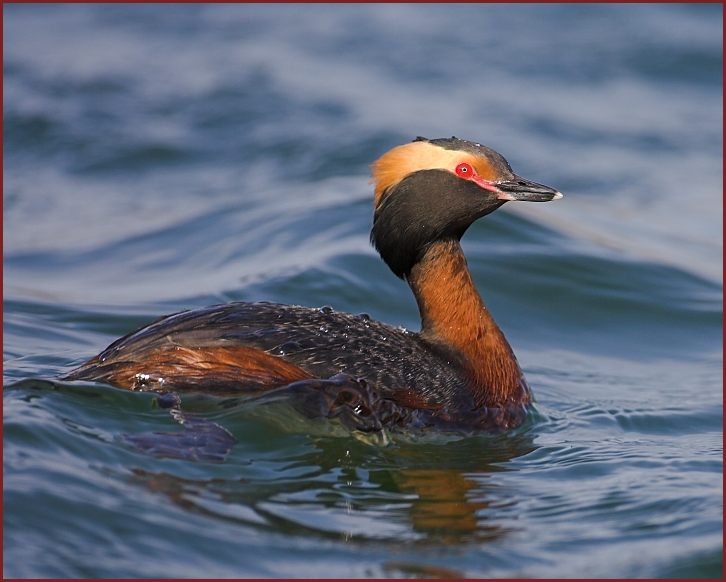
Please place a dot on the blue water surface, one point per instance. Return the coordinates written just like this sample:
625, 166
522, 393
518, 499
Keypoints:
164, 157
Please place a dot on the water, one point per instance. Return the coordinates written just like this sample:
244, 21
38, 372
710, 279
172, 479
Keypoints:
165, 157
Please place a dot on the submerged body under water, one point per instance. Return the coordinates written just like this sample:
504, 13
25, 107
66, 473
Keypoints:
146, 174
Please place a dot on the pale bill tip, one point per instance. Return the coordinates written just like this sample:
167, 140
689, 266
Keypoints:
557, 196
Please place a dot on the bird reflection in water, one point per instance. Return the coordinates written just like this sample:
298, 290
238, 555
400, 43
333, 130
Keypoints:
340, 488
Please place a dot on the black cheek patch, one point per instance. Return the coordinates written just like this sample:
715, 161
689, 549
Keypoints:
425, 207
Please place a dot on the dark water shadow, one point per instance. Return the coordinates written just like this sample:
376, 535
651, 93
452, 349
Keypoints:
427, 489
303, 478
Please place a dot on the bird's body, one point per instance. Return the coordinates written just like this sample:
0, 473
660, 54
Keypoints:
458, 370
318, 341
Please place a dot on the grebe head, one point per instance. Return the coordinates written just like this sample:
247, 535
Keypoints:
434, 189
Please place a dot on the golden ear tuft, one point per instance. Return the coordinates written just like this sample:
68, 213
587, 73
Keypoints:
399, 162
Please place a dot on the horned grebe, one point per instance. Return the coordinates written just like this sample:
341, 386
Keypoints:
458, 370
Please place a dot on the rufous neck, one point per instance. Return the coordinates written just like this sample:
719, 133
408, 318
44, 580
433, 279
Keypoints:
453, 312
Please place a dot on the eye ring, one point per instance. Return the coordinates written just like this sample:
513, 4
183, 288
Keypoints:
464, 170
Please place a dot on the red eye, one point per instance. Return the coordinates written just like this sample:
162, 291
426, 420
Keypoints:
464, 170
